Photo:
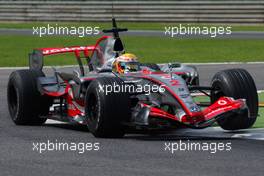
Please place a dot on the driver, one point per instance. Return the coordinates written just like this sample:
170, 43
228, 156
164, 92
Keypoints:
126, 63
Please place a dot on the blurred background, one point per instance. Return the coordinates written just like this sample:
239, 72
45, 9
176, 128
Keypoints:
146, 21
183, 11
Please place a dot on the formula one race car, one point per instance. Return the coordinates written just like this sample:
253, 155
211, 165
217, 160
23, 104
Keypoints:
111, 92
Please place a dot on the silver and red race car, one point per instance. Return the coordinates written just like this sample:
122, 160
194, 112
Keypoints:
151, 97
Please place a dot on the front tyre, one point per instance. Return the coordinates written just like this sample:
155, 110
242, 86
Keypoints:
25, 104
236, 83
106, 112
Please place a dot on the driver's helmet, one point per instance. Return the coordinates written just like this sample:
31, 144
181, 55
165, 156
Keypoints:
126, 63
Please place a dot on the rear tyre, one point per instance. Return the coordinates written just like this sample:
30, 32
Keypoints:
25, 103
236, 83
106, 112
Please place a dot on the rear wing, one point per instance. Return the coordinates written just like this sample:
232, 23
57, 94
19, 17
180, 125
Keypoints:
51, 51
36, 57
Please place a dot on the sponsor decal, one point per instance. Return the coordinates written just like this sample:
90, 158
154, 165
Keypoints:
221, 102
67, 49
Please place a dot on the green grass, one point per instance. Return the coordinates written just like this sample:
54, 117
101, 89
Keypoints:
14, 49
260, 120
129, 25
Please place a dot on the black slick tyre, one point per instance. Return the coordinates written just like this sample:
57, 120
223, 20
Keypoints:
236, 83
106, 112
25, 103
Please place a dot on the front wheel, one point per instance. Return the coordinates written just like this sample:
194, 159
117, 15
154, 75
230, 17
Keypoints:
238, 84
106, 112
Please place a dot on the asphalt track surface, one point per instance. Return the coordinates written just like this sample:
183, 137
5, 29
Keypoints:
256, 70
153, 33
136, 154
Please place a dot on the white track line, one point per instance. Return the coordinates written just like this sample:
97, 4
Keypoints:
224, 63
218, 132
251, 133
50, 121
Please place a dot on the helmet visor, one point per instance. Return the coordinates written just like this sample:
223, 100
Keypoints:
130, 66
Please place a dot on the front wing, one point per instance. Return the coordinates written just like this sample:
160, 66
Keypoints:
219, 109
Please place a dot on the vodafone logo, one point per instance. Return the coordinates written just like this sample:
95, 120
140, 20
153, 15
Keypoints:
47, 51
222, 102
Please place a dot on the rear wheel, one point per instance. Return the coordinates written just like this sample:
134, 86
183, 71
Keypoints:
26, 105
236, 83
106, 112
